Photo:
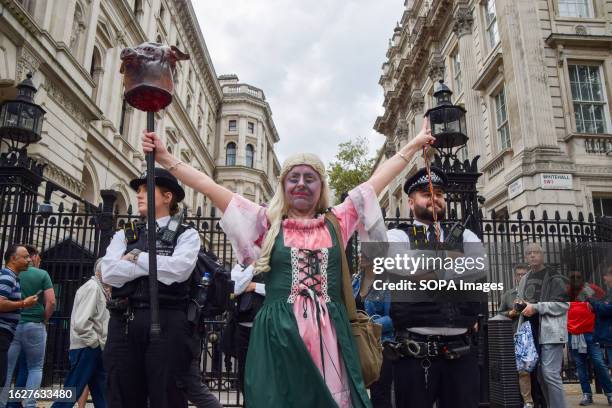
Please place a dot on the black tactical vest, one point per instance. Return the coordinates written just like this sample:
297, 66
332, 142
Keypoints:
431, 314
137, 290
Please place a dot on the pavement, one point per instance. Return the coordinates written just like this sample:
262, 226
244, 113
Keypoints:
572, 392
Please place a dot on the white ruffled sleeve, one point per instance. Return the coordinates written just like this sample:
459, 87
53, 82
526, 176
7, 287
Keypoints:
361, 212
245, 223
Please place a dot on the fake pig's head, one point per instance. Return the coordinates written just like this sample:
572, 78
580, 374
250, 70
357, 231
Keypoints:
150, 53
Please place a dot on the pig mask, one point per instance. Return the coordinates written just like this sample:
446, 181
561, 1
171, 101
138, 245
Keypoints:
148, 75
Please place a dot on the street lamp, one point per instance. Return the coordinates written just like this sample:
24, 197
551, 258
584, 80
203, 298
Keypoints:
447, 122
21, 119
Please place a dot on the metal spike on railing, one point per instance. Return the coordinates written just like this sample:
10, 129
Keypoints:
397, 212
591, 218
545, 215
384, 212
580, 216
557, 215
493, 214
570, 217
519, 215
74, 207
60, 208
532, 216
129, 209
199, 211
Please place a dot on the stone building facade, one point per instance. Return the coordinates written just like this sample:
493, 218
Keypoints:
536, 80
91, 138
245, 153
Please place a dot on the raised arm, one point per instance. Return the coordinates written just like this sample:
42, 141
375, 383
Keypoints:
219, 195
393, 166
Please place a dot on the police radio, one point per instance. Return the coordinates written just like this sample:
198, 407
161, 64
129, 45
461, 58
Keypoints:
169, 232
455, 234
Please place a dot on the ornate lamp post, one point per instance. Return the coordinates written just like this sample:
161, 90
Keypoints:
447, 122
448, 126
20, 176
21, 119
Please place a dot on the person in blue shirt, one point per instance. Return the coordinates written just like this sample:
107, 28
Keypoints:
376, 304
16, 260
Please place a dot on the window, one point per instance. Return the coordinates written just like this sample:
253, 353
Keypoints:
162, 12
123, 120
250, 153
232, 126
491, 24
575, 8
588, 98
602, 207
456, 59
251, 127
501, 116
230, 154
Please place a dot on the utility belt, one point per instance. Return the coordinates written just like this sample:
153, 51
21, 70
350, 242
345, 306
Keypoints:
413, 345
123, 306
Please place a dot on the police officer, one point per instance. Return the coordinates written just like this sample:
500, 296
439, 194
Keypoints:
437, 361
141, 371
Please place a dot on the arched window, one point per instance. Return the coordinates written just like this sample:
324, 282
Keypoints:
230, 154
78, 26
96, 70
250, 153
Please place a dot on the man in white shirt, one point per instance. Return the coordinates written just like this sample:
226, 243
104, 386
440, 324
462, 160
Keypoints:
88, 328
438, 362
140, 369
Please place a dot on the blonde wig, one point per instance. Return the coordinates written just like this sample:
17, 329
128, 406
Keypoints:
278, 208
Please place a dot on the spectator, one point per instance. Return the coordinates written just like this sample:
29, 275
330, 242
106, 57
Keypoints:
580, 323
31, 332
603, 313
506, 305
506, 308
16, 260
376, 303
543, 292
250, 291
88, 327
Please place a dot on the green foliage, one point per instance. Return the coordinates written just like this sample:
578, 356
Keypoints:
351, 167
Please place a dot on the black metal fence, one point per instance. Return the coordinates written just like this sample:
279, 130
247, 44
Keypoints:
74, 235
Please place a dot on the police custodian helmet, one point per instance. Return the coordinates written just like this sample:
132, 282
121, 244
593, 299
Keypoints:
163, 178
420, 179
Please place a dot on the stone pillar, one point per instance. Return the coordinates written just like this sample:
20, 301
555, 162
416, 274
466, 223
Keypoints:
463, 23
527, 89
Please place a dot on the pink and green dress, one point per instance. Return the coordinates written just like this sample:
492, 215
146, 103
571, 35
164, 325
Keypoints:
301, 352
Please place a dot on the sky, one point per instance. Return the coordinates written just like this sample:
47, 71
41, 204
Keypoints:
317, 61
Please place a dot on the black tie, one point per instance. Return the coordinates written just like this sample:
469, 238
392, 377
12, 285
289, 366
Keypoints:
431, 233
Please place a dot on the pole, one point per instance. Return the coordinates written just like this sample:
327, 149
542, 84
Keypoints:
152, 234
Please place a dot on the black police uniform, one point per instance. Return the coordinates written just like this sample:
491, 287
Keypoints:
435, 328
141, 370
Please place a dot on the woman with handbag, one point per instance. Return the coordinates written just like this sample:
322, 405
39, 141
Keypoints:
301, 352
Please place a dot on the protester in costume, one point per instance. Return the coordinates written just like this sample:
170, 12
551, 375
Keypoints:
301, 352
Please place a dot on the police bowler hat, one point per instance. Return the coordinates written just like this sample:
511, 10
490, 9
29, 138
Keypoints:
420, 179
163, 178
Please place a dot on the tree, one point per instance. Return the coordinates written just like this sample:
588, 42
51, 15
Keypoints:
351, 168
